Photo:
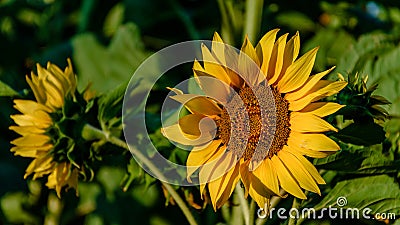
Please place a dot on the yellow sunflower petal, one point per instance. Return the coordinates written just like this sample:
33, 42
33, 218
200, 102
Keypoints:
57, 77
298, 171
196, 124
32, 140
200, 155
223, 187
25, 152
57, 179
245, 175
176, 90
212, 87
213, 66
292, 49
73, 180
318, 142
29, 106
298, 72
286, 180
37, 88
40, 117
249, 63
257, 189
31, 152
198, 104
308, 166
217, 166
55, 97
276, 60
71, 77
317, 94
175, 134
232, 58
310, 83
261, 199
264, 50
39, 120
267, 174
206, 169
42, 165
218, 48
230, 186
25, 130
322, 109
307, 122
309, 152
52, 78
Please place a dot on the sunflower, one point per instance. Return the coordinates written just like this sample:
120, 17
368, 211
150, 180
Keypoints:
42, 127
269, 104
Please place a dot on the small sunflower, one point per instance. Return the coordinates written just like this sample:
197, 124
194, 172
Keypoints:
277, 105
44, 126
361, 101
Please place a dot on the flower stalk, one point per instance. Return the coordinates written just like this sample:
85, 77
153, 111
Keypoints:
253, 16
295, 205
243, 203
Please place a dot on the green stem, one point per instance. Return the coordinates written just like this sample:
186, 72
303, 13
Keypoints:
227, 23
243, 203
93, 131
252, 212
253, 16
295, 205
236, 217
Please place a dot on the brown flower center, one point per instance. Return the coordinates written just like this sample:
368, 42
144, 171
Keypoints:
258, 119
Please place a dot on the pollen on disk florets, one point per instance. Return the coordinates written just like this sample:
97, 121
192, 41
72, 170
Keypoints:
258, 119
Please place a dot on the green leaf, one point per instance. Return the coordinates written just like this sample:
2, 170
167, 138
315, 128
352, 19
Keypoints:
376, 55
379, 193
110, 107
333, 45
134, 174
361, 134
108, 67
6, 90
356, 160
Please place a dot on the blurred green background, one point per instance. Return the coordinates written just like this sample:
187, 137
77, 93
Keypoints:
107, 40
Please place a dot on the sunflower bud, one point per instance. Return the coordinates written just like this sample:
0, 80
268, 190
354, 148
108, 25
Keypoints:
360, 100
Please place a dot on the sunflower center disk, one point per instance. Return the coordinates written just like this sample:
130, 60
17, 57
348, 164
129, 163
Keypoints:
259, 126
